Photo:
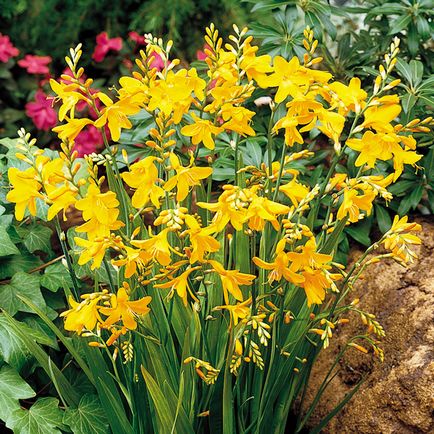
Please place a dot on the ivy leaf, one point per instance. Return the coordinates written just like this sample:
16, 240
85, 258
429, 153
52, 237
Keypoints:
7, 247
12, 348
24, 284
36, 237
87, 418
12, 264
12, 388
56, 276
43, 417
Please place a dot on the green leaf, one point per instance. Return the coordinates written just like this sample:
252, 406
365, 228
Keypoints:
36, 237
7, 247
416, 69
12, 264
21, 284
360, 234
56, 276
43, 417
399, 24
12, 388
383, 218
87, 418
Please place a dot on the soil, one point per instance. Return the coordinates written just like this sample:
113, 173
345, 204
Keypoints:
397, 396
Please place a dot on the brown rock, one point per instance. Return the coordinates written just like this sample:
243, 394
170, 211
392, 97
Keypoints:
398, 394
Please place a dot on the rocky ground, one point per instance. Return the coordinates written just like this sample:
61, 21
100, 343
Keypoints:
398, 395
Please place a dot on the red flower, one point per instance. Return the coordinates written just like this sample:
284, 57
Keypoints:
104, 45
158, 62
35, 64
7, 50
138, 39
88, 140
201, 55
41, 112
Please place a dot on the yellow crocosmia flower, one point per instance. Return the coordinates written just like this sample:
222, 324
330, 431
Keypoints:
115, 114
221, 67
185, 177
237, 119
381, 112
315, 285
292, 79
230, 207
69, 131
143, 176
261, 210
232, 280
331, 125
308, 257
350, 98
384, 146
238, 311
133, 259
196, 83
133, 88
280, 266
228, 93
180, 285
69, 96
290, 124
61, 199
93, 250
294, 190
26, 189
201, 131
175, 88
100, 212
156, 246
353, 204
200, 239
122, 309
399, 239
82, 316
256, 67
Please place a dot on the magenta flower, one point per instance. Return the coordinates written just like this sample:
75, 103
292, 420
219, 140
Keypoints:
35, 64
7, 50
88, 140
104, 44
138, 39
158, 62
41, 112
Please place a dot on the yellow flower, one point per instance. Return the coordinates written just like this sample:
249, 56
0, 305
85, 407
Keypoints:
143, 176
399, 239
230, 207
200, 239
256, 67
115, 114
156, 246
315, 283
290, 124
231, 281
132, 259
26, 189
201, 131
61, 199
353, 203
352, 96
100, 212
69, 131
180, 285
308, 257
122, 309
381, 112
185, 177
261, 210
280, 266
237, 119
67, 93
94, 250
238, 311
82, 315
294, 190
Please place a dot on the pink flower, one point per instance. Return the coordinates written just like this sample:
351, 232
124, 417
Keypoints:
201, 55
35, 64
88, 140
104, 45
41, 112
138, 39
158, 62
7, 50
